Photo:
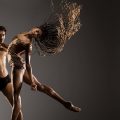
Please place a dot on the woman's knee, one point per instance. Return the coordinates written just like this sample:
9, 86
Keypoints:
40, 86
47, 89
16, 98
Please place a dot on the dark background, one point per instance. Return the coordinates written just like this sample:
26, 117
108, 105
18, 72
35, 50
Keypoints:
86, 72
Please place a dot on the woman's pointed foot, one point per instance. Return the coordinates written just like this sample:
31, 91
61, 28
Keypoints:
71, 107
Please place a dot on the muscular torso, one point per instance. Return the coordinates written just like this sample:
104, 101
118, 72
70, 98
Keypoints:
3, 55
19, 44
16, 48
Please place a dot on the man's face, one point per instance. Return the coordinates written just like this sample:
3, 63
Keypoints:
2, 36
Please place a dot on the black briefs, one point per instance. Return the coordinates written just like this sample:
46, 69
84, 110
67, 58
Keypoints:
4, 81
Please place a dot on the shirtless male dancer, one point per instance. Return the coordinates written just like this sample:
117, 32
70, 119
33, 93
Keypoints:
5, 82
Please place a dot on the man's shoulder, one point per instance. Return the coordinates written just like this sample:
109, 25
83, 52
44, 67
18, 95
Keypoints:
4, 45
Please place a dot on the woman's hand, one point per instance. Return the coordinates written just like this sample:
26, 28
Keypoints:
33, 86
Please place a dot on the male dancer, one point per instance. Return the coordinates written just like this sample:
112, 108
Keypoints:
5, 82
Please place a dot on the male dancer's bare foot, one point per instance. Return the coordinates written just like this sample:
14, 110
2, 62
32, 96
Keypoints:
71, 107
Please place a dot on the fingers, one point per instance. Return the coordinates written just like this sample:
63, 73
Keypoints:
34, 87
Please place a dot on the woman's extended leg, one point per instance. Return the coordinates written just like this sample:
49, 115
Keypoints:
51, 92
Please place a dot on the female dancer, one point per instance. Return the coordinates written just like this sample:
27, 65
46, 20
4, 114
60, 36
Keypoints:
49, 39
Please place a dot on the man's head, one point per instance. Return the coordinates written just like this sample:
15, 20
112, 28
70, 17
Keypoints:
2, 33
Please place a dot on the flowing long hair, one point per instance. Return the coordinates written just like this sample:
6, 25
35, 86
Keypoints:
56, 33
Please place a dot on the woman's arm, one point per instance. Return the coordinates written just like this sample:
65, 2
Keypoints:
28, 66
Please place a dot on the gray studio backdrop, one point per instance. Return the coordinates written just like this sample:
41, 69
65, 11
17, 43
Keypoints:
81, 73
